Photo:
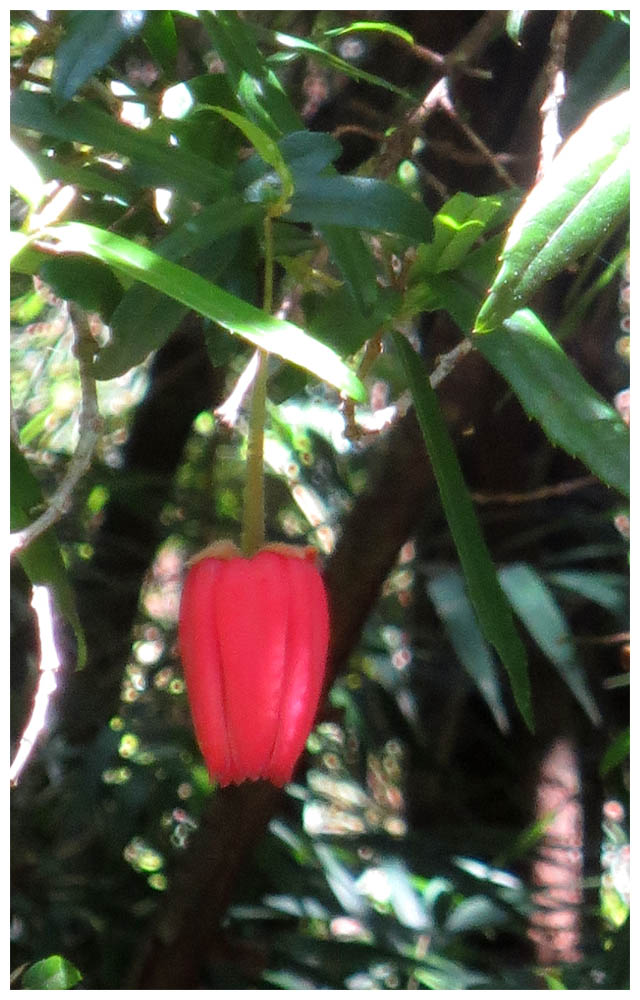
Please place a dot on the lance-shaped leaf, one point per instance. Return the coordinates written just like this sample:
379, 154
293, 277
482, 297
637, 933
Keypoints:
485, 593
273, 335
552, 390
578, 200
150, 161
536, 606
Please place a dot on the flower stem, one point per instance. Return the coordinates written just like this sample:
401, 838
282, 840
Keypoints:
253, 513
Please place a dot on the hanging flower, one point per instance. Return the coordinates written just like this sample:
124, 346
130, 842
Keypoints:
253, 636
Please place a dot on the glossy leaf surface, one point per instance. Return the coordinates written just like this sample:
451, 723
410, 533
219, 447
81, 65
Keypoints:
271, 334
579, 199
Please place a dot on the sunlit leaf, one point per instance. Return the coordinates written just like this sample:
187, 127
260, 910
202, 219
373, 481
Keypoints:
53, 973
579, 199
536, 606
274, 335
384, 27
153, 161
485, 593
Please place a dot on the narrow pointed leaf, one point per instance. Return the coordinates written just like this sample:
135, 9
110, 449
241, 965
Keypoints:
454, 609
536, 606
273, 335
552, 390
580, 198
485, 593
151, 160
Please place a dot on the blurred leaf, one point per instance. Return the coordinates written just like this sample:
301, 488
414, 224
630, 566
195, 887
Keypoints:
355, 261
88, 282
477, 913
536, 606
53, 973
92, 37
609, 590
616, 753
159, 35
580, 198
552, 390
452, 605
407, 904
515, 23
487, 598
342, 883
42, 560
359, 203
271, 334
24, 176
439, 973
154, 162
384, 27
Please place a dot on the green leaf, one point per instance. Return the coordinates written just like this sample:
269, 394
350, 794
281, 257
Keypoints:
552, 391
457, 226
145, 317
154, 162
609, 590
355, 262
274, 335
580, 198
88, 282
159, 35
265, 146
53, 973
384, 27
42, 560
359, 203
92, 37
616, 753
537, 608
254, 83
452, 605
307, 48
487, 598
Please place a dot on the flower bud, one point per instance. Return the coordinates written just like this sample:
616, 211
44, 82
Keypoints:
253, 636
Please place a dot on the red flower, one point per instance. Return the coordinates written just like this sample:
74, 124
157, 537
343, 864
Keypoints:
253, 637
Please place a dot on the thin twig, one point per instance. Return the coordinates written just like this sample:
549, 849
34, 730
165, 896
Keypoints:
89, 425
50, 663
447, 362
550, 138
542, 493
